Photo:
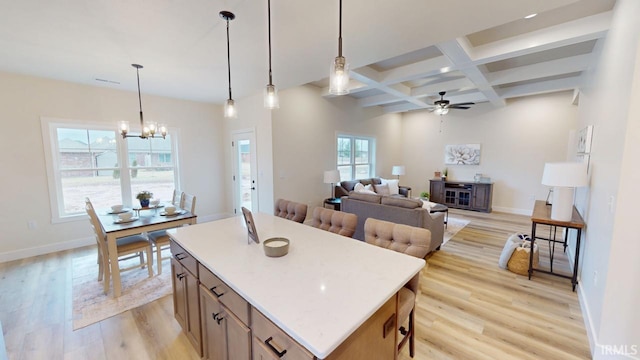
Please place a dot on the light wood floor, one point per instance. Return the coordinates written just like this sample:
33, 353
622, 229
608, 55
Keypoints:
469, 308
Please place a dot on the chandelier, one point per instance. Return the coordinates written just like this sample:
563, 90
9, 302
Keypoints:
146, 131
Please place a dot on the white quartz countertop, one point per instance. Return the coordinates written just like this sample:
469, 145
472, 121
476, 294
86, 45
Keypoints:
319, 293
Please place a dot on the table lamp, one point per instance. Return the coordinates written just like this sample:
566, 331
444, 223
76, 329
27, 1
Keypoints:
332, 177
564, 177
398, 170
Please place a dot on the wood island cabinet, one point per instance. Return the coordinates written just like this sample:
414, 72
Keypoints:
462, 195
225, 333
185, 294
222, 324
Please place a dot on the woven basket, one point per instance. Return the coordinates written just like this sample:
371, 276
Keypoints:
519, 261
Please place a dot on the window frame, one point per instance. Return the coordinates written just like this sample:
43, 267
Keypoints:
54, 173
352, 162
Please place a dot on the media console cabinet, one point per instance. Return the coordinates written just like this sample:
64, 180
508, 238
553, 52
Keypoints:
467, 195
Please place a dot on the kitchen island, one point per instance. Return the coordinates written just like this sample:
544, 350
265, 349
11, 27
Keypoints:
332, 295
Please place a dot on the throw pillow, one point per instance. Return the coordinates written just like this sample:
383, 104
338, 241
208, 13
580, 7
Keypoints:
362, 189
358, 187
382, 189
394, 188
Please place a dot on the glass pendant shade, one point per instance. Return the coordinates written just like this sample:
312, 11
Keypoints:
339, 77
230, 109
271, 97
442, 111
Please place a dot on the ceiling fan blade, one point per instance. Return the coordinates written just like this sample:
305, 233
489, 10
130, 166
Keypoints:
464, 103
459, 107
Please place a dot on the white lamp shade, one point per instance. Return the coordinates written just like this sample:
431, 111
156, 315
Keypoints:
331, 176
565, 174
397, 170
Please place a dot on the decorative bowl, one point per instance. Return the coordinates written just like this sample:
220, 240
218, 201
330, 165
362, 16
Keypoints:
276, 247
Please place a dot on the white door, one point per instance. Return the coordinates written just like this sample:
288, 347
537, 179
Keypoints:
244, 171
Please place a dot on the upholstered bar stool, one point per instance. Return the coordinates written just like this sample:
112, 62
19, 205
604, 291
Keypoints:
408, 240
290, 210
335, 221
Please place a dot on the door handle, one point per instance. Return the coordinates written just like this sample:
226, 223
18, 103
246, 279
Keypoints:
253, 188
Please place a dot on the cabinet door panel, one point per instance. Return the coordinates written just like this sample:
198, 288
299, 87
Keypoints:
238, 337
179, 296
213, 337
193, 310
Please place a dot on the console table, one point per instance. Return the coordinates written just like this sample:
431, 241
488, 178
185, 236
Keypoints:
542, 216
467, 195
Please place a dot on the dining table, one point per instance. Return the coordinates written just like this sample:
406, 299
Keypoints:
144, 220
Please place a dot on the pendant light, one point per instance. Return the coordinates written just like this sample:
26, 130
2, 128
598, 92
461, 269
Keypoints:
146, 131
339, 77
270, 92
229, 106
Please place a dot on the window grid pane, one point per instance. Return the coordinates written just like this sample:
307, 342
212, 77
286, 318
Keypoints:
87, 163
354, 157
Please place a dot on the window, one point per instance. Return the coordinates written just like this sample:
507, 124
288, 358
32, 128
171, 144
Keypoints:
356, 156
92, 161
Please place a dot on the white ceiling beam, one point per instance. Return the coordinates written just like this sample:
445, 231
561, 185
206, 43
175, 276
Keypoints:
377, 100
541, 70
541, 87
573, 32
452, 85
418, 70
369, 76
401, 108
458, 53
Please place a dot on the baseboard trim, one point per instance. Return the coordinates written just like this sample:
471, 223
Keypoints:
46, 249
77, 243
513, 210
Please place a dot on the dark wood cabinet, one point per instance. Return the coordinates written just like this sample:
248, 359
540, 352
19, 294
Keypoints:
462, 195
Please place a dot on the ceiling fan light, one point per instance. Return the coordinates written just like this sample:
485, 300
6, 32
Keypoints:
271, 97
123, 127
339, 79
230, 109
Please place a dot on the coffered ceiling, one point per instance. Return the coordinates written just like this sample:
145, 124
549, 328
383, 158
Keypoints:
402, 53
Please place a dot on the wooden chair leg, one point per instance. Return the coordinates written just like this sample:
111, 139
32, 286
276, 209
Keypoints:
100, 266
159, 258
412, 345
150, 260
141, 255
107, 274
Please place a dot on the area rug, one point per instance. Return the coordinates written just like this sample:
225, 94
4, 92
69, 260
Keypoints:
453, 226
91, 305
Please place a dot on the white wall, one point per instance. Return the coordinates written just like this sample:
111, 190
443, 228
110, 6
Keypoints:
304, 141
610, 268
252, 116
515, 143
24, 190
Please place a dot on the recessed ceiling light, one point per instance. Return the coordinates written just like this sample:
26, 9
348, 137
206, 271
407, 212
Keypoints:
530, 16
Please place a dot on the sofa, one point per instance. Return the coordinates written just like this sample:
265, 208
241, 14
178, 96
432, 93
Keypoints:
343, 188
394, 209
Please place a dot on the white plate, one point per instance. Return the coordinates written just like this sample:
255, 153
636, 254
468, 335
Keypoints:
120, 221
124, 210
178, 212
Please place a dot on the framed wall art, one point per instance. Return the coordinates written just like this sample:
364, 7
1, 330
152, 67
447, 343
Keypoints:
584, 140
465, 154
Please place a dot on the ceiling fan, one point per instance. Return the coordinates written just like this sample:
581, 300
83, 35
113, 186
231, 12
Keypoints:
442, 106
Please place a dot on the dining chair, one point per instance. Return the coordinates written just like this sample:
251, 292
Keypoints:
176, 199
408, 240
160, 239
128, 247
334, 221
290, 210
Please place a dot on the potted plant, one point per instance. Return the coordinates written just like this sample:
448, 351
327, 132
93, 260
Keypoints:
424, 195
445, 172
144, 197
